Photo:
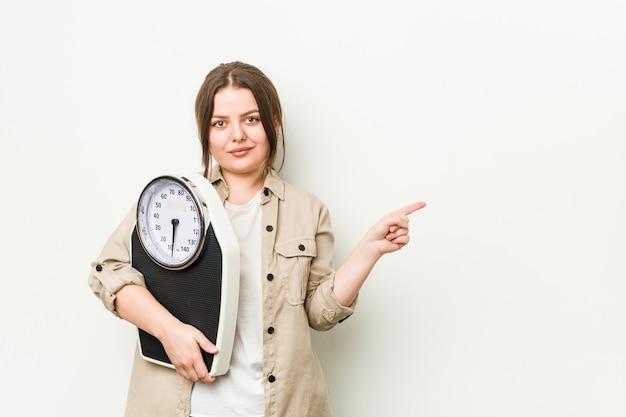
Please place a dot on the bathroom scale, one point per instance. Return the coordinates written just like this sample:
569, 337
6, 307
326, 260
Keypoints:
185, 247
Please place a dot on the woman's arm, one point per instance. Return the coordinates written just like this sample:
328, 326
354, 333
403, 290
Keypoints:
122, 290
137, 305
389, 234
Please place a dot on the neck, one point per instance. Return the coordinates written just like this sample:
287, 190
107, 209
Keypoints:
243, 187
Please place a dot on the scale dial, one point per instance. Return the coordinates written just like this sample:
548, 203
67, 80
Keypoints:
171, 221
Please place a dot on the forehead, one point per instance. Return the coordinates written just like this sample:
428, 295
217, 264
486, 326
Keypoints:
234, 100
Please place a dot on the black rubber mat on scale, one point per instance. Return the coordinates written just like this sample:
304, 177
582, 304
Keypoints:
193, 294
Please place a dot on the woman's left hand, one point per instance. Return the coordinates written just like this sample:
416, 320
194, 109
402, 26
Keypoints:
391, 232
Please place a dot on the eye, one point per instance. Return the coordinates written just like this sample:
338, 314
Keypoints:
252, 119
218, 123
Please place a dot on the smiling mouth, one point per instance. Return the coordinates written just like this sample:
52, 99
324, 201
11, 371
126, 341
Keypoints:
240, 151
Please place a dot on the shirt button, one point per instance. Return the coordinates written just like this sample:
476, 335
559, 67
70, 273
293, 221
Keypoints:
301, 247
270, 277
99, 268
270, 330
269, 228
271, 378
266, 192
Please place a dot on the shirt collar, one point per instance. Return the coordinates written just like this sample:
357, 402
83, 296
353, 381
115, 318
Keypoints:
273, 183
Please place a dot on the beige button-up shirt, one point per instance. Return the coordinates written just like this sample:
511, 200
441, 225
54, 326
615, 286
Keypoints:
297, 273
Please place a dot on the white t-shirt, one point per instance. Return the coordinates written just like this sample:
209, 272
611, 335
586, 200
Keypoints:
239, 393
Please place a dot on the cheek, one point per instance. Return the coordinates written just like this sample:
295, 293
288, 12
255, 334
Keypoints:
216, 141
264, 143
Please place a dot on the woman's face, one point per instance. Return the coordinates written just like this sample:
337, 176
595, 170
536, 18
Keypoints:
237, 138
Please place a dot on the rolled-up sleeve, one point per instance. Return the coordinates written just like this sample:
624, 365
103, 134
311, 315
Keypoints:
112, 270
323, 308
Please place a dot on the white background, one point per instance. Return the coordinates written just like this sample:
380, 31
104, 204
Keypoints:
507, 117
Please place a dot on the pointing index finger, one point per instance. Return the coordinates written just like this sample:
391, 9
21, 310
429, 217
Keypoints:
406, 210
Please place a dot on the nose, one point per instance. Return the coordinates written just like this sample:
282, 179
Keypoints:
238, 133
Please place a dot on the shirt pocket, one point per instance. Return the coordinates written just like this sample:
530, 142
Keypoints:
294, 260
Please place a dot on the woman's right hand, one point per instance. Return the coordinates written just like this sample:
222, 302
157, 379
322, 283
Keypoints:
183, 344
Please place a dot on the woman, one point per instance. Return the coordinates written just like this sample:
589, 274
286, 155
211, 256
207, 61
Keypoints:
288, 283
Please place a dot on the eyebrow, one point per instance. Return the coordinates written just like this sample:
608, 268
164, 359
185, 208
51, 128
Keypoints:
217, 116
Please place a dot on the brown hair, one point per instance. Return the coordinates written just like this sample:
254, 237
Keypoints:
241, 75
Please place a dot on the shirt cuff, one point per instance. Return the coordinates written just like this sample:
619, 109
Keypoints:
107, 278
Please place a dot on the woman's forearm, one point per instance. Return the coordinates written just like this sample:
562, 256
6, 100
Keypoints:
351, 275
136, 304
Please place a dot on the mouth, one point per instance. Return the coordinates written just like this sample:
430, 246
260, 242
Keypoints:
240, 151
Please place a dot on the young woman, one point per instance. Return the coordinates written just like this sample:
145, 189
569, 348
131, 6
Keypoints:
288, 282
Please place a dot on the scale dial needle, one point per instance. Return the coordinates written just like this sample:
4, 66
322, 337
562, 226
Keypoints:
174, 224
